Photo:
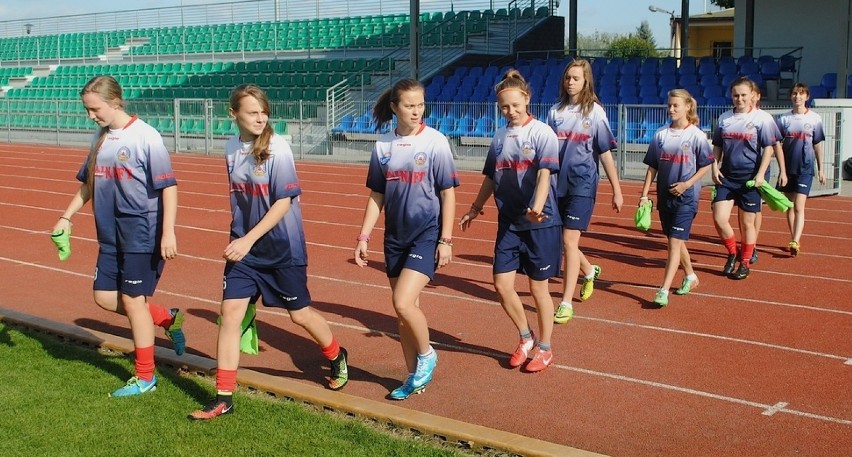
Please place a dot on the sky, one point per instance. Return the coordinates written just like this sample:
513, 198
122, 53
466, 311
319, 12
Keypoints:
593, 15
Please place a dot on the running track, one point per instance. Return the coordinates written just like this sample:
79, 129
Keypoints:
757, 367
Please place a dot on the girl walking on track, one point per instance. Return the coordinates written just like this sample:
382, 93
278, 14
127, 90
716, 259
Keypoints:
413, 177
803, 135
678, 156
585, 140
519, 171
128, 178
742, 149
267, 255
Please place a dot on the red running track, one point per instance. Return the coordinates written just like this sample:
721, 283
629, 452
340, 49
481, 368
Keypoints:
755, 367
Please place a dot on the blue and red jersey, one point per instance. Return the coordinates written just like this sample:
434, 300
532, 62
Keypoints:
743, 138
800, 132
411, 171
254, 188
677, 155
514, 158
582, 139
132, 167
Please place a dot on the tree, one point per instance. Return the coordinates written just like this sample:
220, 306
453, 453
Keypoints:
723, 3
644, 32
631, 46
596, 44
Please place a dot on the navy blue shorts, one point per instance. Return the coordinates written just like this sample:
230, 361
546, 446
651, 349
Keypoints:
677, 224
285, 287
418, 256
800, 184
134, 274
746, 198
536, 253
576, 212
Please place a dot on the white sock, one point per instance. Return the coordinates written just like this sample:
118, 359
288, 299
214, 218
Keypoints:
692, 277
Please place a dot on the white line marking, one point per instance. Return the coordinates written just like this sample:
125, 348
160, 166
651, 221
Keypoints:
775, 408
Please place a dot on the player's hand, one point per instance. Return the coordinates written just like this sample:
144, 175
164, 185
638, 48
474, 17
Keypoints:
821, 177
467, 219
536, 217
443, 255
782, 180
168, 246
617, 201
237, 249
716, 175
677, 189
361, 254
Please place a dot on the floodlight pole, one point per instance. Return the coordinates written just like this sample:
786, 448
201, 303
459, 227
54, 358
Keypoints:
414, 40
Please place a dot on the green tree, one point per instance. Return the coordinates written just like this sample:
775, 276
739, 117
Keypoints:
644, 32
596, 44
631, 46
723, 3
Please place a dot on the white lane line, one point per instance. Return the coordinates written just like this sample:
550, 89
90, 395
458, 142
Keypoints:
775, 408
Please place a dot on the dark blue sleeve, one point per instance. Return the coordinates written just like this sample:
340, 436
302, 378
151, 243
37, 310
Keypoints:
375, 174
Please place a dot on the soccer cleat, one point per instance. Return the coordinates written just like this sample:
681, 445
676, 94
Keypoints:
425, 369
136, 386
753, 258
523, 352
730, 264
406, 390
794, 248
339, 371
588, 286
687, 286
174, 332
564, 313
741, 273
215, 409
542, 360
662, 298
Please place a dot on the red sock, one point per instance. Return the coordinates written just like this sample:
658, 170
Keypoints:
145, 363
226, 380
730, 245
330, 352
161, 315
748, 250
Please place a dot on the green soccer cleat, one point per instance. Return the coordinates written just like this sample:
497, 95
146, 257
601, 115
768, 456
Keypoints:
588, 286
687, 286
564, 313
339, 371
662, 298
175, 332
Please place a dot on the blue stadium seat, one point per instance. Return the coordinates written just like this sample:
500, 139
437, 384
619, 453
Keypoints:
346, 124
447, 125
464, 126
829, 81
717, 101
728, 68
818, 91
484, 127
788, 63
770, 70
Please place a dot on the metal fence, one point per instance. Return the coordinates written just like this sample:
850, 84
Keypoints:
202, 126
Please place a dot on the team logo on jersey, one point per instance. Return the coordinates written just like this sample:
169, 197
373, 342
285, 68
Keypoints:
527, 149
259, 170
750, 125
385, 158
685, 146
587, 123
808, 127
498, 148
559, 121
420, 159
123, 154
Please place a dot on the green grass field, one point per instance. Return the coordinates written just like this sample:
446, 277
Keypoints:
54, 400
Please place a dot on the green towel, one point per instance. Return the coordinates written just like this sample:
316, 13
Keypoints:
642, 219
248, 340
62, 240
776, 200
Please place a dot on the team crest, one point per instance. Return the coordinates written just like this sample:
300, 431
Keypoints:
587, 124
498, 148
259, 170
385, 158
809, 127
527, 149
559, 121
123, 154
684, 146
750, 125
420, 159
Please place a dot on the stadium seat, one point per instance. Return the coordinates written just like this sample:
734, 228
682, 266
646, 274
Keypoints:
829, 82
